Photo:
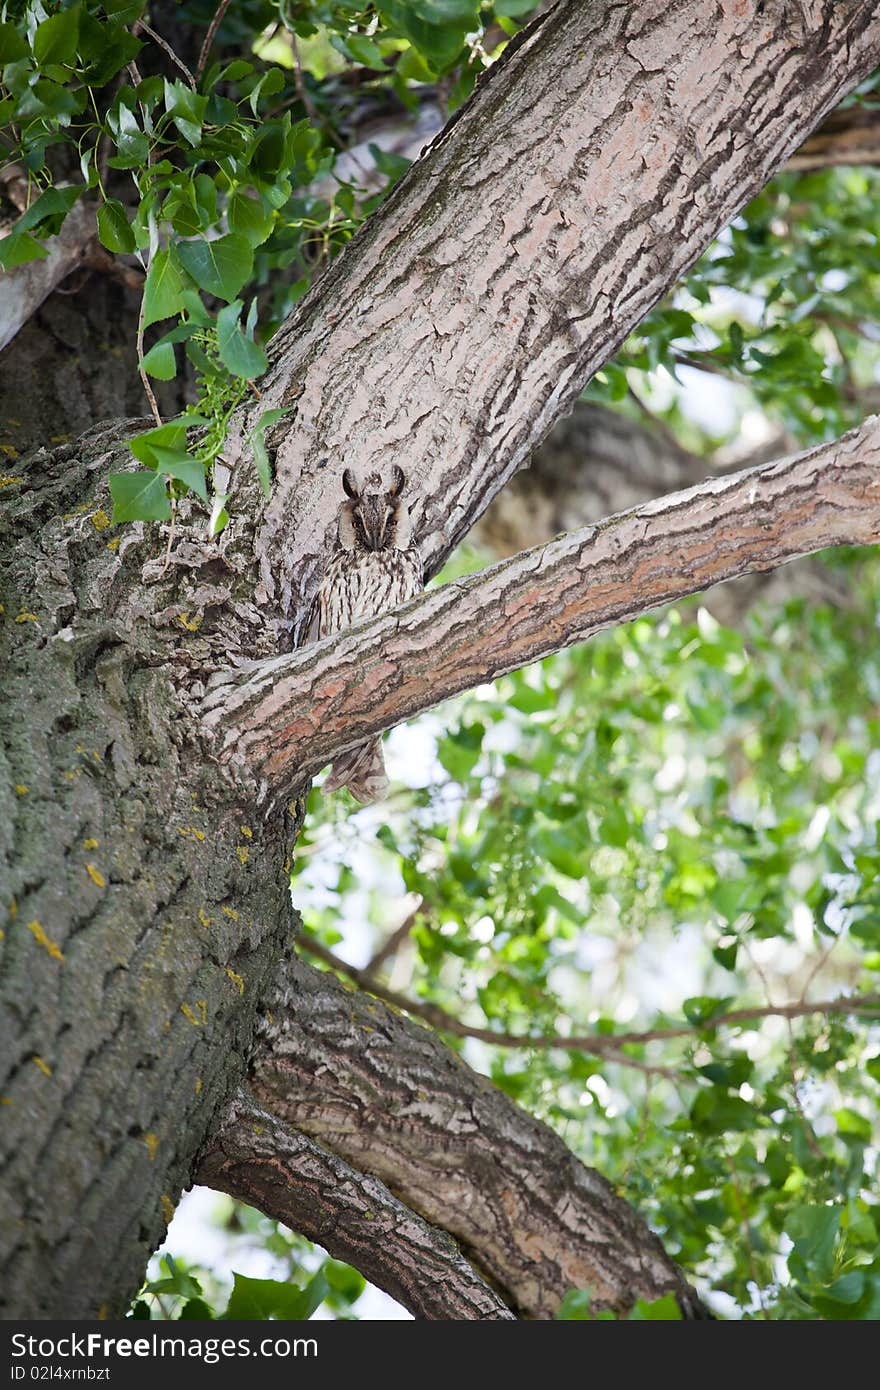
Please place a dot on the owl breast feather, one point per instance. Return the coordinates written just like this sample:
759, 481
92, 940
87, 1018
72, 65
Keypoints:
361, 584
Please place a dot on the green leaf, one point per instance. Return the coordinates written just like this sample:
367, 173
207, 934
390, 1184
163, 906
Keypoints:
663, 1309
726, 955
180, 209
183, 467
125, 11
848, 1288
171, 435
440, 42
132, 145
393, 166
716, 1112
342, 1279
238, 353
46, 98
575, 1307
163, 288
140, 496
186, 108
446, 12
18, 248
56, 38
220, 267
258, 445
813, 1230
104, 50
160, 362
177, 1281
46, 214
262, 1299
197, 1309
702, 1008
12, 45
852, 1126
359, 48
250, 218
114, 230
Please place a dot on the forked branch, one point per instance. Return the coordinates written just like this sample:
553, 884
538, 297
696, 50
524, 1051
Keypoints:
285, 718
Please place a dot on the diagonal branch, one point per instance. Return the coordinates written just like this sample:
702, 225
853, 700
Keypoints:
597, 1044
282, 719
390, 1098
850, 135
593, 164
392, 945
259, 1159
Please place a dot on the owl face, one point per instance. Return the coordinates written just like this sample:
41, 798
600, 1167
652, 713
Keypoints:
374, 518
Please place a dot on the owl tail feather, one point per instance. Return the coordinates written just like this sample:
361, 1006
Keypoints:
362, 771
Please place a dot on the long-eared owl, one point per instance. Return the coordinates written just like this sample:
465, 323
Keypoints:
373, 568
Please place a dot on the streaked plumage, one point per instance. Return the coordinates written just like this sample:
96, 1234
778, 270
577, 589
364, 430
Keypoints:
373, 569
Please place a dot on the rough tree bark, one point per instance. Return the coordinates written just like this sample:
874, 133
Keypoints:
146, 894
392, 1100
282, 719
561, 232
256, 1157
596, 462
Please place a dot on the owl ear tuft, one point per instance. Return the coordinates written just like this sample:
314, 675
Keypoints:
398, 480
349, 486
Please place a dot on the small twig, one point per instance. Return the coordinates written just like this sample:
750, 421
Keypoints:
820, 963
157, 38
300, 81
809, 1132
636, 1148
209, 37
601, 1045
304, 96
145, 381
397, 938
708, 364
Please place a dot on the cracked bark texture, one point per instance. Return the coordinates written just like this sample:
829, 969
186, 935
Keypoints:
286, 717
143, 905
596, 462
255, 1157
388, 1096
593, 164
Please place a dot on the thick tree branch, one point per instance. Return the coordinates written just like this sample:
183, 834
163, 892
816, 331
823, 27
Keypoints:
597, 461
561, 203
23, 289
850, 135
390, 1098
283, 719
257, 1158
597, 1044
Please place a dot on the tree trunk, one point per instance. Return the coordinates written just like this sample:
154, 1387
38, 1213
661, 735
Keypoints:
146, 906
145, 882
